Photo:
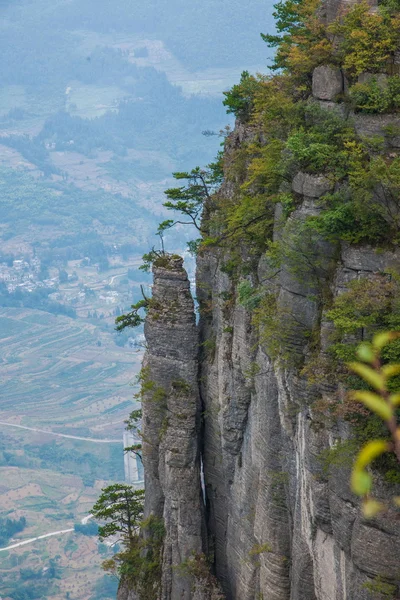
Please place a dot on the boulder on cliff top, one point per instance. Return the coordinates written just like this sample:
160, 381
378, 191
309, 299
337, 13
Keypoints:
327, 82
312, 186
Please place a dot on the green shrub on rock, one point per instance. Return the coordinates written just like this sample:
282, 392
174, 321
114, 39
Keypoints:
373, 96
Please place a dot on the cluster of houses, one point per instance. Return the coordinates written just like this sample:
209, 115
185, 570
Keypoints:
24, 274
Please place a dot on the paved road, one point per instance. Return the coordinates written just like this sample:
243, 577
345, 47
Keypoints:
84, 521
40, 537
72, 437
115, 277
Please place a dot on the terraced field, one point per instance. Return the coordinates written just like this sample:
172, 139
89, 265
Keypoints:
53, 503
54, 375
61, 376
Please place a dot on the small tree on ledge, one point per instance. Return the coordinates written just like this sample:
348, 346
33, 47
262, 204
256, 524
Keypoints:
121, 507
189, 199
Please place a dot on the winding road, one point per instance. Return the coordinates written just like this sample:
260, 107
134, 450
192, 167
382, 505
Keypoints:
112, 279
64, 435
85, 520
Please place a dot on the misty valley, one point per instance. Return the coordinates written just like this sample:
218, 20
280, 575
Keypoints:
99, 103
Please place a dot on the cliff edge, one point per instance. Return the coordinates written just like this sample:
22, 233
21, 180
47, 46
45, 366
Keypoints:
248, 432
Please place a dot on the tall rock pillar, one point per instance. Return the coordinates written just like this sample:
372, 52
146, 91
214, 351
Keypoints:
171, 422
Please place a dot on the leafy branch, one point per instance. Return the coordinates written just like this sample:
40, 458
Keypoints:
132, 424
189, 199
383, 403
136, 449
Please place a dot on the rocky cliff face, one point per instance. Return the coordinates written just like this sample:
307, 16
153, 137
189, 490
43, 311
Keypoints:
171, 420
273, 524
171, 433
267, 519
280, 528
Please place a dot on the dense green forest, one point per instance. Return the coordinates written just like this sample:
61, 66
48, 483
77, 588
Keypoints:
153, 112
37, 583
27, 201
88, 529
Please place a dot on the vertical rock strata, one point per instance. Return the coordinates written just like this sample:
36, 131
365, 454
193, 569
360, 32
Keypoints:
279, 529
171, 419
275, 527
171, 439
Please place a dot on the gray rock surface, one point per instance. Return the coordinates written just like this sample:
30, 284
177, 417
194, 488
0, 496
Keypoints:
312, 186
331, 9
171, 434
376, 125
380, 78
275, 525
171, 422
279, 528
327, 82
